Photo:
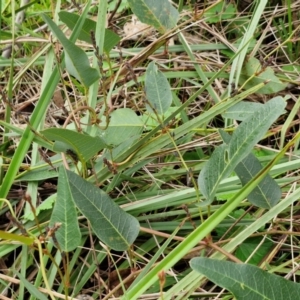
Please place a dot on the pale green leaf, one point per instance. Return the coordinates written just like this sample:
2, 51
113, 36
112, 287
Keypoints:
220, 11
212, 173
241, 110
246, 282
45, 205
83, 145
42, 170
249, 132
159, 14
225, 158
112, 4
38, 174
151, 121
252, 66
77, 62
158, 90
64, 212
116, 228
267, 193
256, 248
123, 124
70, 19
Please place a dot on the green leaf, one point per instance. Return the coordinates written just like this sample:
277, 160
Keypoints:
30, 287
64, 212
38, 174
259, 245
158, 89
219, 12
242, 110
151, 121
45, 205
249, 132
112, 4
267, 193
77, 62
83, 145
109, 222
253, 66
159, 14
5, 36
70, 19
123, 124
225, 158
246, 282
4, 235
41, 170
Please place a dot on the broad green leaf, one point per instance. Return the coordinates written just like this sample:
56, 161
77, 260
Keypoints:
257, 245
158, 90
294, 69
246, 282
64, 212
219, 12
83, 145
249, 132
242, 110
38, 174
77, 62
30, 287
225, 158
45, 205
159, 14
112, 153
70, 19
212, 173
109, 222
267, 193
41, 170
238, 26
123, 124
112, 4
253, 66
151, 121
